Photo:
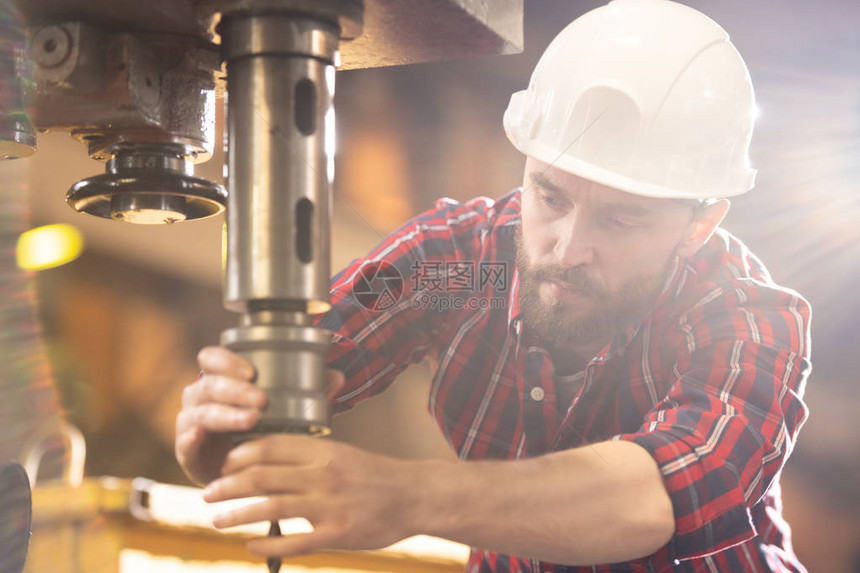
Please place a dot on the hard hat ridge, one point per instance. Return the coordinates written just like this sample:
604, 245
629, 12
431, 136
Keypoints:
648, 96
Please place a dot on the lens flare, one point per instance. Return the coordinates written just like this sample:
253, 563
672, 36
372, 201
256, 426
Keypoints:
49, 246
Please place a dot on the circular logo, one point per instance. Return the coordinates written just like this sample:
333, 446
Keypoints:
378, 285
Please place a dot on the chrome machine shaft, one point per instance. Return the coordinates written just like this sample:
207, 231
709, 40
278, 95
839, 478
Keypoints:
280, 121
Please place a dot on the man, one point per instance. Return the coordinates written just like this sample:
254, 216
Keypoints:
634, 402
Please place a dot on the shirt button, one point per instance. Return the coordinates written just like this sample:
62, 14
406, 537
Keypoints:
537, 393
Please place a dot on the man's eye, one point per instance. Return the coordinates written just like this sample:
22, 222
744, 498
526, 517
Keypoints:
621, 223
551, 200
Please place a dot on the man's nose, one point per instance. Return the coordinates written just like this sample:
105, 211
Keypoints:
574, 245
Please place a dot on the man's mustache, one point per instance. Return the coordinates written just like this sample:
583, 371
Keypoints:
576, 278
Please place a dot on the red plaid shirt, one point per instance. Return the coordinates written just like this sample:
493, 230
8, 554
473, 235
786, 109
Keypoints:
710, 382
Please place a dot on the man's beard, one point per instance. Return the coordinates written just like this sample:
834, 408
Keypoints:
553, 323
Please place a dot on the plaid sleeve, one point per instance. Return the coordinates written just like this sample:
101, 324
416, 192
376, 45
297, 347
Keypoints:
730, 420
377, 327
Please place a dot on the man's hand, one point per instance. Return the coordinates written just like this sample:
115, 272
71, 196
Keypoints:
354, 499
222, 400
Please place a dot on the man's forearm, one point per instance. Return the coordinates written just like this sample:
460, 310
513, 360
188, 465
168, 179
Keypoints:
602, 503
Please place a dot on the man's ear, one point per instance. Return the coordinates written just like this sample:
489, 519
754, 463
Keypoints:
702, 227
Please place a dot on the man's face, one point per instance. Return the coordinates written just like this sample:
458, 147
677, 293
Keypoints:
592, 259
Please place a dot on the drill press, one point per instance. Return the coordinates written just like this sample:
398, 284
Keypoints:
137, 83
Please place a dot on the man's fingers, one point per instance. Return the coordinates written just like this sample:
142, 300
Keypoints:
223, 390
264, 480
219, 360
336, 380
217, 418
285, 449
187, 440
223, 374
269, 509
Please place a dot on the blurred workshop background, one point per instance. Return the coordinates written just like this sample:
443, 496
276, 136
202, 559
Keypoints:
113, 337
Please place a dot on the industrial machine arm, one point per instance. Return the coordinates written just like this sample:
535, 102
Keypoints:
137, 82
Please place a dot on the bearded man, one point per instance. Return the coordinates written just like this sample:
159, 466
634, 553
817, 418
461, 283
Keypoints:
631, 404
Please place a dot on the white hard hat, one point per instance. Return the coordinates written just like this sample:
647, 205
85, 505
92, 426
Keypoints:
646, 96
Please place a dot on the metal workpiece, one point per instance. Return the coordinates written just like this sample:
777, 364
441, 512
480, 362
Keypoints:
278, 35
400, 32
385, 32
71, 55
178, 17
280, 122
145, 103
280, 126
289, 356
122, 72
17, 133
136, 82
347, 15
107, 86
148, 184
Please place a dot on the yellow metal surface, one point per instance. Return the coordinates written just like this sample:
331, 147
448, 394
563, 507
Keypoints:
91, 529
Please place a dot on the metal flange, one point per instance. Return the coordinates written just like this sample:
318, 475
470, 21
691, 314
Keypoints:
290, 358
17, 137
348, 15
148, 184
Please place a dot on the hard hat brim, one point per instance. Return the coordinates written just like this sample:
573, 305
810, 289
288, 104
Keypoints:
615, 180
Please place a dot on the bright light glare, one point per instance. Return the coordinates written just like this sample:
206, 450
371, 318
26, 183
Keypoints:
49, 246
330, 143
224, 249
330, 77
